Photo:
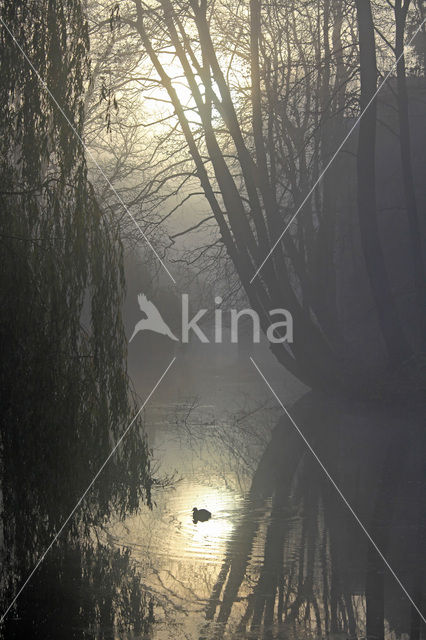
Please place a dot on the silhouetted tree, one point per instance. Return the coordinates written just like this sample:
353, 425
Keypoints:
65, 392
273, 92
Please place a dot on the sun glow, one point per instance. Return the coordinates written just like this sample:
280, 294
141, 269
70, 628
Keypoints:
206, 538
169, 531
156, 97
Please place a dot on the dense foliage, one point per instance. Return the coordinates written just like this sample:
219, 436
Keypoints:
65, 393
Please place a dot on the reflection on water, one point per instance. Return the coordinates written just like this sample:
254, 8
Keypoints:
88, 590
169, 531
281, 557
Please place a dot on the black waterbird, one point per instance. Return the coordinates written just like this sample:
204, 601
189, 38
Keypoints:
200, 515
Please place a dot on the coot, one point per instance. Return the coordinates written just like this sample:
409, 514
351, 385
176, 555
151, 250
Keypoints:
200, 515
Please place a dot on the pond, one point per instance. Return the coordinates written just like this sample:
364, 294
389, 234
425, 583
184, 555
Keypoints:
268, 563
281, 555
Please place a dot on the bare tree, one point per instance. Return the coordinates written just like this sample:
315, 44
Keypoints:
255, 102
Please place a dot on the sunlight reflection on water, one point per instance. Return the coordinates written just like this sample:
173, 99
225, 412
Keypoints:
206, 540
169, 531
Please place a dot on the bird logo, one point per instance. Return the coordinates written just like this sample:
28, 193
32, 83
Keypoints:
153, 320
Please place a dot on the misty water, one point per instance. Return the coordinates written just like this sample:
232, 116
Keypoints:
281, 556
267, 564
208, 427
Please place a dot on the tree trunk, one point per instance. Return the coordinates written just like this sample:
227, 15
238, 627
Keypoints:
401, 9
397, 347
380, 531
329, 133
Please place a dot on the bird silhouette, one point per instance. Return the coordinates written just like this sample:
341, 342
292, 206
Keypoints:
153, 320
200, 515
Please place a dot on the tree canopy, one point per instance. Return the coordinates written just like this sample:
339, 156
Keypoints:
261, 96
